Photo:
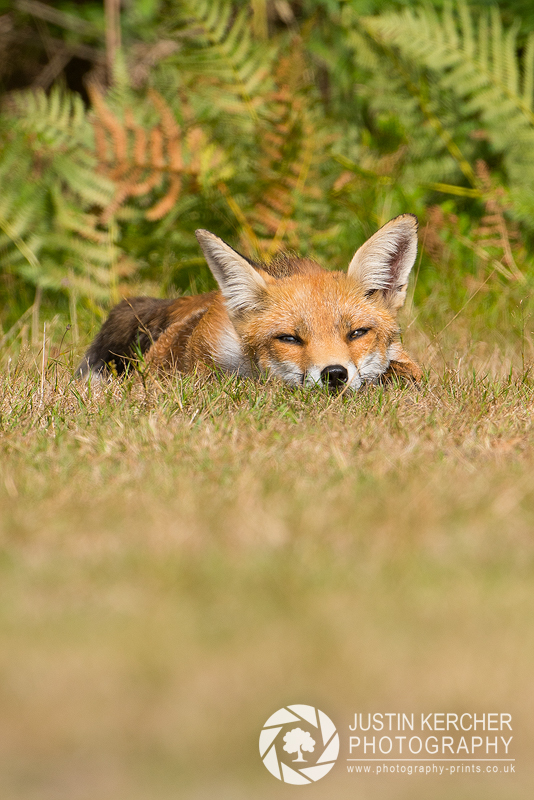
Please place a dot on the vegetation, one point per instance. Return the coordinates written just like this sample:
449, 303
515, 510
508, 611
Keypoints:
181, 557
178, 564
303, 128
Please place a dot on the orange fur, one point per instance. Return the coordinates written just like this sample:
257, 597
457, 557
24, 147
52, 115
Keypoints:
290, 318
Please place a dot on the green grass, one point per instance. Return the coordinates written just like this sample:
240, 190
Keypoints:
179, 558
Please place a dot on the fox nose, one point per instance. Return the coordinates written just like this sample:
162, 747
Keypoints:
334, 376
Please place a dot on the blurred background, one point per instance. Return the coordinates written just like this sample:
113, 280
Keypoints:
177, 565
276, 124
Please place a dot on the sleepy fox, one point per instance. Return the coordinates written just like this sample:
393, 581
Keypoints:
289, 318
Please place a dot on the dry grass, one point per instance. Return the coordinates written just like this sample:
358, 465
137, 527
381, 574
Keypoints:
176, 565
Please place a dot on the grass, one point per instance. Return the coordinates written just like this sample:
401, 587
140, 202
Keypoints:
179, 558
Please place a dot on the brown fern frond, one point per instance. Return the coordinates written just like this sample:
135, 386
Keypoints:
166, 203
100, 142
121, 194
156, 148
495, 231
140, 146
491, 242
139, 189
139, 158
436, 222
110, 123
195, 141
288, 146
168, 123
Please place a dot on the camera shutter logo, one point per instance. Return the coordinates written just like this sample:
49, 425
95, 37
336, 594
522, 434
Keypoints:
299, 744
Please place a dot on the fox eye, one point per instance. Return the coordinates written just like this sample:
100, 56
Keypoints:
358, 332
289, 339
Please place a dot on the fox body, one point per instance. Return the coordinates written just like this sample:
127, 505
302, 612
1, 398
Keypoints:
290, 318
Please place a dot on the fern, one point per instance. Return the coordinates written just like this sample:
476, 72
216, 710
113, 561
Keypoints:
225, 55
473, 60
50, 234
137, 160
307, 141
289, 144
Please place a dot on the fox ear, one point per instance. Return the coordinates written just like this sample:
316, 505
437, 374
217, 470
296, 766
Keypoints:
384, 262
242, 286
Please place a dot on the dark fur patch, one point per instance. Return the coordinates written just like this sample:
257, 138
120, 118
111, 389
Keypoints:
397, 259
132, 326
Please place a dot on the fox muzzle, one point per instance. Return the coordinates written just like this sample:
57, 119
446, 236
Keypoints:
334, 377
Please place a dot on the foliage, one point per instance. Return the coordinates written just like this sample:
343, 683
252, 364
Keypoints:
475, 77
50, 234
171, 556
304, 128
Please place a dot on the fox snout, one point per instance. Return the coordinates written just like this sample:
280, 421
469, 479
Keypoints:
334, 377
338, 377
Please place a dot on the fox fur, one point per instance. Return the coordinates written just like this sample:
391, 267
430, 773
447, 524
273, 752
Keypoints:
289, 318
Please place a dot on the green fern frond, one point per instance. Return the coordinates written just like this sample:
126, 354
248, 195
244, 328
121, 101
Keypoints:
84, 181
449, 45
50, 234
58, 120
474, 60
227, 53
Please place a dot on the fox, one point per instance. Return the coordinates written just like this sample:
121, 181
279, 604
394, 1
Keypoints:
289, 318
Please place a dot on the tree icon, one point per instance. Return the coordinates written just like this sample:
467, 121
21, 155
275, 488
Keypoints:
296, 740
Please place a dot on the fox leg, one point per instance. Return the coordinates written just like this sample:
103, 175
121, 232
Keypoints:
402, 366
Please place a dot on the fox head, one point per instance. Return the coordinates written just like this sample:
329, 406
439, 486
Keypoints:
312, 326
